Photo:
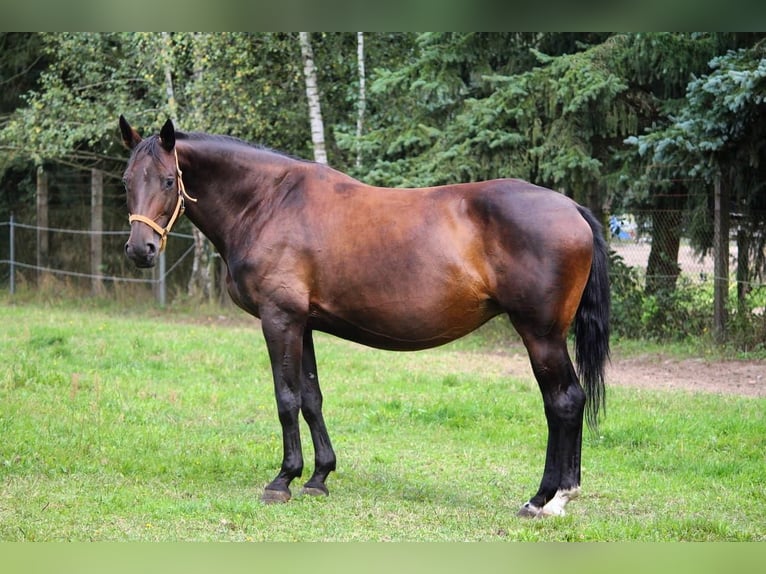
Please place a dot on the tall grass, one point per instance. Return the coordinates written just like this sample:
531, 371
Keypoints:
159, 426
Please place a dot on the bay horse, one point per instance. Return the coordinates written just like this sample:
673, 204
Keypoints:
309, 248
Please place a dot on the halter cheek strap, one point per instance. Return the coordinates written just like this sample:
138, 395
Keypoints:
177, 212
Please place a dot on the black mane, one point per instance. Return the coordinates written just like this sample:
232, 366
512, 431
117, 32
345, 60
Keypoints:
151, 145
224, 139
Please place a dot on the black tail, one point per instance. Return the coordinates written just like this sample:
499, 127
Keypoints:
592, 325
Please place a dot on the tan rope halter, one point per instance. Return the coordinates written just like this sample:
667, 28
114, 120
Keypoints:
178, 212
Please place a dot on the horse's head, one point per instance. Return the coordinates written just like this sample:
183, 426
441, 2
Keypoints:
155, 194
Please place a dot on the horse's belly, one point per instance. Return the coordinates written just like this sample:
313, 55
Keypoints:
403, 327
415, 295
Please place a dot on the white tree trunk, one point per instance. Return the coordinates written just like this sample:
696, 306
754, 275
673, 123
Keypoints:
312, 93
201, 279
362, 99
166, 49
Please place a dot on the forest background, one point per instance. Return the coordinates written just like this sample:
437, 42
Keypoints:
641, 128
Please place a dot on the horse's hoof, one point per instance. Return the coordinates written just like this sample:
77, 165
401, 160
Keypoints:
275, 496
529, 511
315, 491
555, 506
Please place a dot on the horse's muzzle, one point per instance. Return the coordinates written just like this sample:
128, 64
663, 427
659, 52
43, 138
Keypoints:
144, 255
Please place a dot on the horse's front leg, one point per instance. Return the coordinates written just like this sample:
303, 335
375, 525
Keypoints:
324, 456
283, 332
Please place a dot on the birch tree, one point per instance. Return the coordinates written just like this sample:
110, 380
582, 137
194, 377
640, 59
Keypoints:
168, 59
362, 98
312, 93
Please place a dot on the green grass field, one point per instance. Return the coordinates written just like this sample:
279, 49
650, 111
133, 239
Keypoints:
121, 425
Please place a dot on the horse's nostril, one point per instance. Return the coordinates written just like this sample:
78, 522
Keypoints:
151, 249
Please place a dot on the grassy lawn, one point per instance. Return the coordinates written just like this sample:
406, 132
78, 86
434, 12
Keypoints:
130, 426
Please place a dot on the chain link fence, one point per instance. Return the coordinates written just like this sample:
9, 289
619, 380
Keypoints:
59, 256
690, 252
664, 278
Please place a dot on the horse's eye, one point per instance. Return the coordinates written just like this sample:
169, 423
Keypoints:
168, 182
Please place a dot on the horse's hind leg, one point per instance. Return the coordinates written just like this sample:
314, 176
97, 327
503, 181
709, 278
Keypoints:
324, 456
564, 403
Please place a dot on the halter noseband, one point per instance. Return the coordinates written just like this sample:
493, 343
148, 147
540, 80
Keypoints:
178, 212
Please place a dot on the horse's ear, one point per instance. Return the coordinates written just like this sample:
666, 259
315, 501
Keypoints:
130, 137
168, 136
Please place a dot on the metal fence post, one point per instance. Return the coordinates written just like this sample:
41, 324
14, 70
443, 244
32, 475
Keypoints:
162, 291
12, 258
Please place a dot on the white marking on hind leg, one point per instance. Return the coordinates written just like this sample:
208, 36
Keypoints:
555, 506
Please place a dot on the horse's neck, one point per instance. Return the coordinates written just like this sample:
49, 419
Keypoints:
223, 200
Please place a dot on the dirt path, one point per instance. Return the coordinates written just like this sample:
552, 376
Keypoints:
700, 375
747, 378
